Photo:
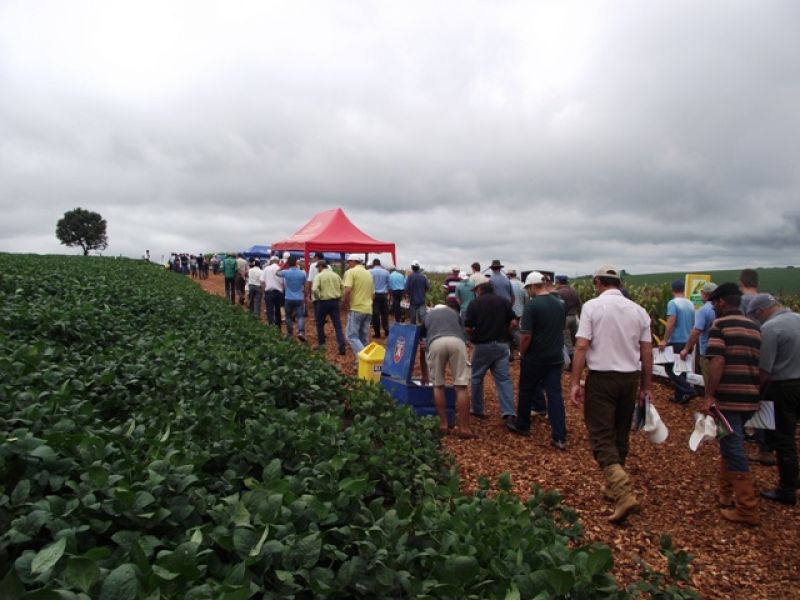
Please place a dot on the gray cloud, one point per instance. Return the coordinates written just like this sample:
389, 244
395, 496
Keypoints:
657, 136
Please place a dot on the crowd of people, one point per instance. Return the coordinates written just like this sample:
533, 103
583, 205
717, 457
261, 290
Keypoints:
184, 263
747, 347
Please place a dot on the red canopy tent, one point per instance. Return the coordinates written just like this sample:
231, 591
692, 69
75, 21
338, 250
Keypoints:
332, 231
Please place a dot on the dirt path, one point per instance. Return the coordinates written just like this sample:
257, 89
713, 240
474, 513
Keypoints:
676, 487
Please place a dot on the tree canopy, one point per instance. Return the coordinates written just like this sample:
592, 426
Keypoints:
82, 228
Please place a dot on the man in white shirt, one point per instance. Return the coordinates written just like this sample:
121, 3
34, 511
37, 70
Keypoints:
254, 288
613, 339
273, 292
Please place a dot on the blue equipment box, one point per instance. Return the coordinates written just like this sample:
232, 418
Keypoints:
398, 370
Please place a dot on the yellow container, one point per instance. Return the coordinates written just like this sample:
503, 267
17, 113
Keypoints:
370, 362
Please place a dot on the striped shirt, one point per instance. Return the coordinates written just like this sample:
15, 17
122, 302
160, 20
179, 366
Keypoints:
737, 339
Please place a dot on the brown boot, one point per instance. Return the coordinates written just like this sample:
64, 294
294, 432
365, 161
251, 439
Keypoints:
618, 483
744, 494
725, 497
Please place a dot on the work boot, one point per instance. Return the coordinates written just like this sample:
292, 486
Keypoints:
619, 484
744, 495
725, 497
606, 493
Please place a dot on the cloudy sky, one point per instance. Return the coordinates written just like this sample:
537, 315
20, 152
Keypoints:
656, 136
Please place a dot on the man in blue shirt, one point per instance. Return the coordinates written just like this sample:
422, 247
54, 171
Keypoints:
380, 301
417, 287
703, 319
294, 281
680, 319
397, 285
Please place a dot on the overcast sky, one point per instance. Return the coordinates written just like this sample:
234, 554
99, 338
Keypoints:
655, 136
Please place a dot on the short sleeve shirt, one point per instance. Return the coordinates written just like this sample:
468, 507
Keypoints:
780, 346
703, 319
683, 311
361, 287
294, 283
616, 327
737, 339
543, 318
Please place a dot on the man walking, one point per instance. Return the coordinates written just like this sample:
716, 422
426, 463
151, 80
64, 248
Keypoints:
380, 301
572, 304
613, 338
358, 291
273, 292
294, 286
229, 271
416, 288
443, 335
542, 359
326, 292
680, 319
779, 366
397, 286
734, 345
488, 323
254, 289
703, 319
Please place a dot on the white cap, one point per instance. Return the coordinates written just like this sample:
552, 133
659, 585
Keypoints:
414, 263
273, 259
534, 278
654, 427
355, 257
286, 255
455, 268
705, 430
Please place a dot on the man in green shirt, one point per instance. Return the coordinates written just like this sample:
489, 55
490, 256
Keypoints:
229, 269
326, 292
358, 291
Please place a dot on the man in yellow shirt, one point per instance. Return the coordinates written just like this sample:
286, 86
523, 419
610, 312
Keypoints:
326, 291
358, 292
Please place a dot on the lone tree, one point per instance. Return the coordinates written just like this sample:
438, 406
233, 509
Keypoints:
82, 228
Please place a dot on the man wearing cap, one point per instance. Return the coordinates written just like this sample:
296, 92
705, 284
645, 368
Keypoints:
779, 366
380, 301
397, 286
542, 359
450, 284
254, 288
500, 283
703, 319
488, 323
294, 298
416, 289
326, 291
358, 291
273, 292
572, 304
443, 337
733, 350
614, 341
680, 319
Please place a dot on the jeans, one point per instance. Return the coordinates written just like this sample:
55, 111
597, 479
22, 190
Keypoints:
380, 314
273, 300
570, 329
295, 311
732, 445
323, 308
358, 330
682, 387
397, 310
230, 289
608, 412
254, 299
533, 378
786, 396
492, 356
417, 313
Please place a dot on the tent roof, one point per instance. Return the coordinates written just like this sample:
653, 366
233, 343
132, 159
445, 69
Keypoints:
332, 231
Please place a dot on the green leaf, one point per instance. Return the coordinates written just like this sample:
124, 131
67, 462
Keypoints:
307, 550
353, 486
21, 492
120, 584
241, 516
284, 576
48, 556
599, 561
82, 573
11, 587
257, 548
561, 581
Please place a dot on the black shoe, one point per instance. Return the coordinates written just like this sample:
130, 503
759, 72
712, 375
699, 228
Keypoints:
341, 352
511, 425
780, 495
479, 415
301, 337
